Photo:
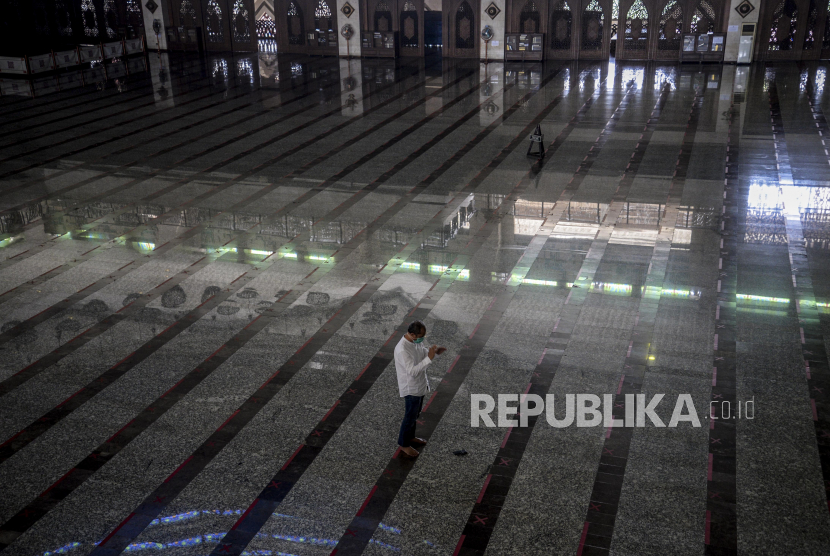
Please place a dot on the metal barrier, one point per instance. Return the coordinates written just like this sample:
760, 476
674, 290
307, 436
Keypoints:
113, 49
39, 64
67, 58
14, 65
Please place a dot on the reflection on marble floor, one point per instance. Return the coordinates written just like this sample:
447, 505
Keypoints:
201, 266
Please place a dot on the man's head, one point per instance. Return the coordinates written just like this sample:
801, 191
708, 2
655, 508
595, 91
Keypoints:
416, 332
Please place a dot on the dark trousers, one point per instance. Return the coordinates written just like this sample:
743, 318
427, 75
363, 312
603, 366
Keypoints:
413, 409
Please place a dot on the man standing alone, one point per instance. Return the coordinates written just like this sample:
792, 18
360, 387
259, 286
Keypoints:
411, 361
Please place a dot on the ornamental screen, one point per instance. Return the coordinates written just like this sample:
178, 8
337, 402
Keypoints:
593, 20
703, 18
409, 25
782, 30
134, 17
464, 19
636, 27
529, 18
671, 27
187, 14
560, 26
241, 22
383, 17
266, 28
63, 17
90, 18
215, 31
323, 23
111, 18
812, 24
826, 41
295, 25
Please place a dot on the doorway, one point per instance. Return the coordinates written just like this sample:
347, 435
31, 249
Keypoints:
433, 27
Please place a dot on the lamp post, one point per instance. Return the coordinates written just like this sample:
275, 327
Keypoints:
157, 29
347, 31
486, 35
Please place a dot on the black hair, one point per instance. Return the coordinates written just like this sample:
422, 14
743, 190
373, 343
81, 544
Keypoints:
417, 327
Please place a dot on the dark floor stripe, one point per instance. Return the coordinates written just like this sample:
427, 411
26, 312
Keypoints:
363, 525
278, 488
720, 526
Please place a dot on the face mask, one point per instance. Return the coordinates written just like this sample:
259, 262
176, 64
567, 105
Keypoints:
418, 340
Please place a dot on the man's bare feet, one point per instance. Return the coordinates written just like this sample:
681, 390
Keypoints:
410, 451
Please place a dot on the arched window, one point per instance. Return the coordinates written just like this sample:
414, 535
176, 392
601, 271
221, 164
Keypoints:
111, 18
671, 27
323, 21
409, 25
266, 28
529, 18
63, 18
41, 19
90, 18
187, 14
636, 27
782, 30
560, 26
215, 31
295, 25
826, 42
593, 20
464, 24
383, 17
812, 24
134, 17
703, 18
241, 22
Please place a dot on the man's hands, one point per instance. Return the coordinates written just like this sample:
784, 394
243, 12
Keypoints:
435, 350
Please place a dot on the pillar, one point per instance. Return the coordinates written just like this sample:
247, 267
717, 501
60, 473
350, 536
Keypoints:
495, 51
352, 46
159, 14
733, 31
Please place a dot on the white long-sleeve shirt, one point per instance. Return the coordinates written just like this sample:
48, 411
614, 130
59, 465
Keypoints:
411, 362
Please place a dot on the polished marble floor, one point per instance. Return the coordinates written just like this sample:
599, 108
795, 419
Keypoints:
204, 269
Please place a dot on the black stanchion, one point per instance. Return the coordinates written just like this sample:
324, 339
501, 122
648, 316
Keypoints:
536, 138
